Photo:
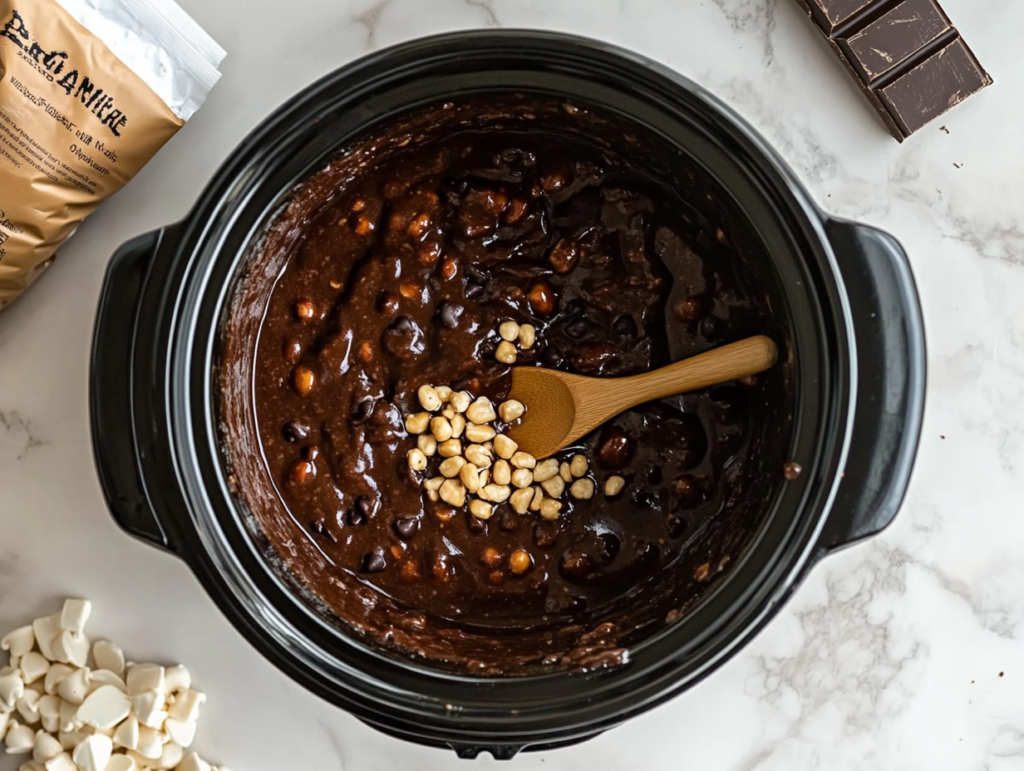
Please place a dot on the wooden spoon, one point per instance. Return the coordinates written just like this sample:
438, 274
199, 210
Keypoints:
560, 408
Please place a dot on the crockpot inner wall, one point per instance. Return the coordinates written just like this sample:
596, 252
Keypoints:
718, 546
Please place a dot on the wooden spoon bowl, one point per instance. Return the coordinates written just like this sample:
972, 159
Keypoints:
562, 407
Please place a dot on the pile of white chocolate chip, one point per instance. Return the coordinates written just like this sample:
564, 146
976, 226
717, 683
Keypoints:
73, 712
482, 466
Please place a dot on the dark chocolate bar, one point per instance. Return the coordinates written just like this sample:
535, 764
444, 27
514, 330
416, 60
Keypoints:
908, 58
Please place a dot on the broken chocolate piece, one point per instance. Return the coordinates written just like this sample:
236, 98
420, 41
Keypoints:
908, 58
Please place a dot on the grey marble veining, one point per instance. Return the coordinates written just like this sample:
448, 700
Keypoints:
905, 653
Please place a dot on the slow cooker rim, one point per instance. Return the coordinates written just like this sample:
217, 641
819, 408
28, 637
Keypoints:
811, 213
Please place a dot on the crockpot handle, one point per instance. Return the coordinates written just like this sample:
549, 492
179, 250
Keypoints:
891, 373
110, 390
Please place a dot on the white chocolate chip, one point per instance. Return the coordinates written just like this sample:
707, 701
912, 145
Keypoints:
470, 477
578, 465
101, 677
28, 707
434, 484
458, 425
613, 486
565, 473
506, 353
583, 489
461, 401
427, 444
71, 648
105, 707
75, 615
12, 688
33, 666
193, 762
504, 446
441, 428
444, 393
177, 678
523, 460
93, 753
481, 411
146, 677
549, 508
545, 470
50, 724
417, 424
450, 467
429, 398
120, 763
69, 717
501, 473
127, 734
538, 499
63, 762
520, 499
108, 656
527, 336
476, 433
452, 492
148, 707
522, 477
171, 756
19, 642
480, 509
56, 673
496, 493
554, 486
509, 330
47, 747
20, 739
416, 459
449, 448
182, 732
46, 630
151, 743
70, 739
511, 410
49, 707
75, 686
478, 455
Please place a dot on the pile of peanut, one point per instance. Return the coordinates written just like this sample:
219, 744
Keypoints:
481, 466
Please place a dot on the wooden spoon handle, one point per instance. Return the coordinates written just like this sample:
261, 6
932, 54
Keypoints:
747, 357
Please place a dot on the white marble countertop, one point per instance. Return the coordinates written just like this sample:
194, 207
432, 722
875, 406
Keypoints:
906, 652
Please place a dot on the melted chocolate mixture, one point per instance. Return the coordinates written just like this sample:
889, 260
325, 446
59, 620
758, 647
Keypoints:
401, 277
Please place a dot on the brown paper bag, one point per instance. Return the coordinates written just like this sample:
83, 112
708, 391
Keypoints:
78, 121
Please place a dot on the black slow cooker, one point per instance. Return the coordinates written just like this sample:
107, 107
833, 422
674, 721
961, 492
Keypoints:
850, 330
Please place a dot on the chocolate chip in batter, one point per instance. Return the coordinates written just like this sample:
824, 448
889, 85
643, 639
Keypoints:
625, 326
552, 357
374, 562
406, 528
363, 411
388, 302
448, 314
293, 432
404, 339
577, 329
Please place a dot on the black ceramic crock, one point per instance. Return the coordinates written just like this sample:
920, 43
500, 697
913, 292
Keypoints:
855, 342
